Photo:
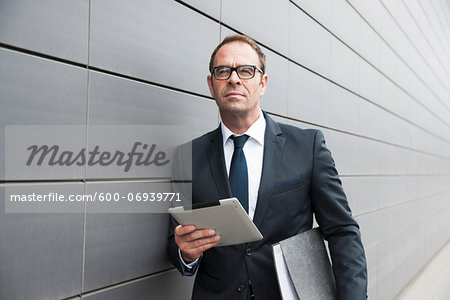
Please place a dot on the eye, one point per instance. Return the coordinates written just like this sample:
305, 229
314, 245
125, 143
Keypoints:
246, 71
221, 71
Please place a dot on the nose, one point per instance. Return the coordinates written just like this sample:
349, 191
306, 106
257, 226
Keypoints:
234, 78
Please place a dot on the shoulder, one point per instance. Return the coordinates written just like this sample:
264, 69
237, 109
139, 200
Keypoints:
207, 137
201, 143
299, 138
195, 150
287, 129
290, 132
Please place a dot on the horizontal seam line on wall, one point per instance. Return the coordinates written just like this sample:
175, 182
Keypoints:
417, 50
123, 283
432, 27
96, 69
100, 70
330, 80
446, 19
424, 219
405, 63
168, 179
396, 175
333, 82
103, 71
38, 54
89, 180
384, 208
362, 136
43, 55
198, 11
382, 73
428, 41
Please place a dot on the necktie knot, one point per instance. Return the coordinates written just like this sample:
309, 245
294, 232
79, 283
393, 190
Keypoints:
239, 141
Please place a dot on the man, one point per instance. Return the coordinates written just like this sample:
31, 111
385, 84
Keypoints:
289, 175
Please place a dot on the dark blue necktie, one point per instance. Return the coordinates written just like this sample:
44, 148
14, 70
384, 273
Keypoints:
238, 171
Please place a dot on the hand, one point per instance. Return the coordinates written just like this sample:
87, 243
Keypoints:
193, 242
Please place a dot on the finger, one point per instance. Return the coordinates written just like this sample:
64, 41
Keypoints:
209, 243
183, 230
200, 243
191, 254
202, 233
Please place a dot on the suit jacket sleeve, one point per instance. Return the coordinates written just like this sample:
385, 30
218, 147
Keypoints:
338, 226
174, 254
182, 184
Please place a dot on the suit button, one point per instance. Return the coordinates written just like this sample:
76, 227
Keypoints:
249, 251
241, 288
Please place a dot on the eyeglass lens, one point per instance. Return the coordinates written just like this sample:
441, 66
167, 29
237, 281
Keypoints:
244, 72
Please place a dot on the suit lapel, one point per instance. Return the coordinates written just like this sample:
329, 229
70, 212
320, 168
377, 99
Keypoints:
217, 164
273, 150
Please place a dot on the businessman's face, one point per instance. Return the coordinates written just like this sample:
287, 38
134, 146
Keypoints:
235, 95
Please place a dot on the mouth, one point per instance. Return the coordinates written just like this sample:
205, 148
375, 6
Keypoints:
233, 94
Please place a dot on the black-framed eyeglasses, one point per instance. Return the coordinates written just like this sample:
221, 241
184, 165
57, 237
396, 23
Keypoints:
243, 72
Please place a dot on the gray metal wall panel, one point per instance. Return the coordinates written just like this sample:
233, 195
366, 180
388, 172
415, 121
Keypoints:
117, 101
56, 28
166, 285
309, 43
120, 247
344, 148
276, 95
372, 271
211, 7
369, 44
322, 11
344, 65
308, 96
38, 91
345, 24
369, 82
139, 240
166, 43
391, 148
344, 109
268, 23
40, 254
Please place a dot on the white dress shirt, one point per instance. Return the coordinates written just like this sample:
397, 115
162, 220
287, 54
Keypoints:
253, 150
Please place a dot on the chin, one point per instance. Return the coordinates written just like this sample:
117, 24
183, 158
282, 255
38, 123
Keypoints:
235, 108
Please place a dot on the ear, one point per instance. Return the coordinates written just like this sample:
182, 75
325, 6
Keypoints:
210, 85
263, 84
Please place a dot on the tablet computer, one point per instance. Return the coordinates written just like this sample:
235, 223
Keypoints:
226, 216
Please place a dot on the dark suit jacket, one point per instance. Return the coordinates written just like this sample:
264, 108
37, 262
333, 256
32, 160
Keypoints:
298, 179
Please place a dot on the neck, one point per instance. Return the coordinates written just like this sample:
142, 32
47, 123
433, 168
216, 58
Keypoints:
239, 124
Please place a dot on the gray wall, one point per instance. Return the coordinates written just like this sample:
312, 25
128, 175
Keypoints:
373, 75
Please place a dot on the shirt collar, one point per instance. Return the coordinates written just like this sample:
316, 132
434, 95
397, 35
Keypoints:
256, 131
